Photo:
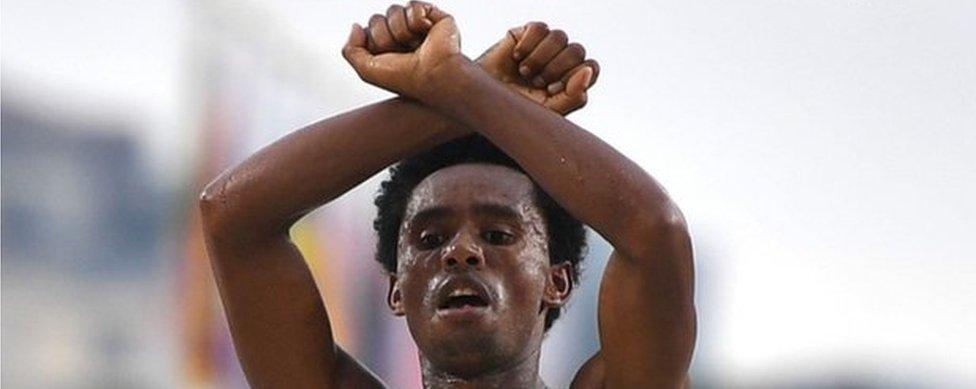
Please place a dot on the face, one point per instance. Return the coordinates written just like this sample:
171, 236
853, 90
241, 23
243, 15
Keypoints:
473, 277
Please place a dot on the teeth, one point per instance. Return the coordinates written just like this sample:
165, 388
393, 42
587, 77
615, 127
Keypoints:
463, 292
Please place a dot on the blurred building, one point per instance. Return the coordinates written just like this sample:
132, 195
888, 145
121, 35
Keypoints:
81, 235
76, 196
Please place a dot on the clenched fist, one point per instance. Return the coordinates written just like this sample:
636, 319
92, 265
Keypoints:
409, 68
542, 65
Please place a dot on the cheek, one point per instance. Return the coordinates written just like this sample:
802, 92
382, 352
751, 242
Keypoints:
416, 276
526, 279
413, 293
406, 258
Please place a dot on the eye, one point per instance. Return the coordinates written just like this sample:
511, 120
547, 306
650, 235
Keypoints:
430, 240
497, 237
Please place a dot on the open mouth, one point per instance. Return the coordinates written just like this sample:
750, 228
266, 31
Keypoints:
463, 295
463, 298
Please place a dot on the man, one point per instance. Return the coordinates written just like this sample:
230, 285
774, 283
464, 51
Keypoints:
483, 250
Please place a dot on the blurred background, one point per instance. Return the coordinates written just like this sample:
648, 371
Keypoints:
824, 154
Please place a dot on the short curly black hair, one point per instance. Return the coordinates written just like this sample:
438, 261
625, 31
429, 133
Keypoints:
566, 235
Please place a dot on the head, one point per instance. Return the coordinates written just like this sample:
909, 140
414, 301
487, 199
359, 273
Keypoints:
481, 260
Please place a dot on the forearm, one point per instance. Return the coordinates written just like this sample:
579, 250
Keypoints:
646, 308
270, 190
588, 177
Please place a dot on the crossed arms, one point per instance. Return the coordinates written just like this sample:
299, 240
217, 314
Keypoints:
279, 323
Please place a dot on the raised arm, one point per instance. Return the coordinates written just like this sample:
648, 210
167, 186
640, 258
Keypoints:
279, 324
646, 313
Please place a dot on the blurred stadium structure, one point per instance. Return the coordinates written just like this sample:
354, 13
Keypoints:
105, 279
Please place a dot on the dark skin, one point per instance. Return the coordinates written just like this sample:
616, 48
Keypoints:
477, 225
469, 227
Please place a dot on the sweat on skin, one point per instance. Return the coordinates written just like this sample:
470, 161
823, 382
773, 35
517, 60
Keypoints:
279, 324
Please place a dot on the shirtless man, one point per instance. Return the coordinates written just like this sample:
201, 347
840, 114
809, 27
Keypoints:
481, 251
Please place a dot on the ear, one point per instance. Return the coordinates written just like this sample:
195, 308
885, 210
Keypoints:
559, 285
394, 298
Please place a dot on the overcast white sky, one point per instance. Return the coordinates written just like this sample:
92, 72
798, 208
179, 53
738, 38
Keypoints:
823, 151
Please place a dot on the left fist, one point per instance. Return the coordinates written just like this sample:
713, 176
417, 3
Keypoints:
543, 65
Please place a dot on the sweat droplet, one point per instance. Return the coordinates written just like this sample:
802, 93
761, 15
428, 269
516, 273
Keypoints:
562, 159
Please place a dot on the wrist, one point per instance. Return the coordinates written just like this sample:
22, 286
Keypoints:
446, 79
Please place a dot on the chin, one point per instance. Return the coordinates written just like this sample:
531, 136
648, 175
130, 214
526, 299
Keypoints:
474, 348
468, 357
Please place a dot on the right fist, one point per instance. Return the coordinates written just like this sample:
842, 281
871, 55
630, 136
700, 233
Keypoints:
402, 29
400, 52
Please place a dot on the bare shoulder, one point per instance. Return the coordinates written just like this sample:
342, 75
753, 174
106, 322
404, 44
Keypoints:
590, 375
352, 374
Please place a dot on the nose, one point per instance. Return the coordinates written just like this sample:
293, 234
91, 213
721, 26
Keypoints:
462, 252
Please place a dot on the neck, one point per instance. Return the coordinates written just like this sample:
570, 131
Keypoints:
524, 373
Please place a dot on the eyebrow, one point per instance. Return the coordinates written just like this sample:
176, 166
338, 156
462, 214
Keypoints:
486, 209
497, 210
428, 214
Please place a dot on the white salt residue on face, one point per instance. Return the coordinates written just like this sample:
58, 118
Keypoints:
534, 253
536, 239
419, 198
